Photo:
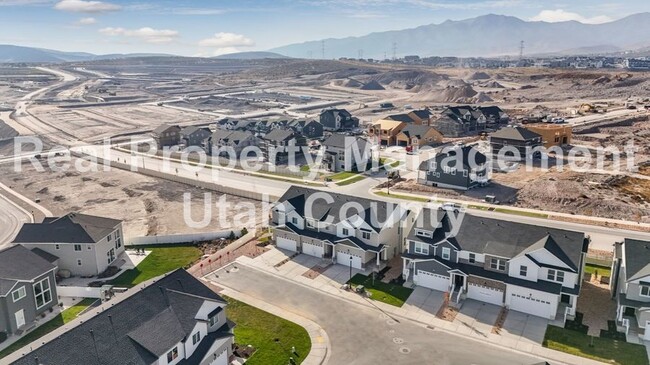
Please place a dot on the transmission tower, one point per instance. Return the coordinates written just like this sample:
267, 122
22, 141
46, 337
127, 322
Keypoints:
521, 50
322, 48
394, 51
360, 53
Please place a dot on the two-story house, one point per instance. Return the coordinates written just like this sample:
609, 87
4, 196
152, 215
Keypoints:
460, 168
85, 245
348, 230
385, 131
27, 289
275, 145
515, 144
309, 128
335, 120
527, 268
416, 136
457, 121
167, 135
630, 284
194, 136
229, 142
346, 153
177, 320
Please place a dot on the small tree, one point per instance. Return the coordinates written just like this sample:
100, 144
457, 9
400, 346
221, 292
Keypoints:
244, 231
232, 236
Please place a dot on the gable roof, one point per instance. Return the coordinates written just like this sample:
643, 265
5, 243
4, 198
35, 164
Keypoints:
71, 228
193, 129
467, 156
19, 263
401, 118
337, 140
388, 124
278, 135
417, 131
135, 330
637, 259
422, 113
515, 134
548, 243
163, 128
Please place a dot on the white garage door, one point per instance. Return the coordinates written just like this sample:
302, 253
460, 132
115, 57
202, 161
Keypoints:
286, 244
222, 359
432, 281
532, 305
485, 294
344, 259
313, 249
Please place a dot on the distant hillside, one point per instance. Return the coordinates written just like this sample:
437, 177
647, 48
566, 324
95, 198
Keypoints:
250, 56
19, 54
486, 36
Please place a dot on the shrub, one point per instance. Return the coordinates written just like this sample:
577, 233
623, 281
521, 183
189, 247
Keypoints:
244, 231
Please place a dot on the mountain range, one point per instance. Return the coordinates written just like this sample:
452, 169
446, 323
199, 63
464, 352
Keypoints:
19, 54
486, 36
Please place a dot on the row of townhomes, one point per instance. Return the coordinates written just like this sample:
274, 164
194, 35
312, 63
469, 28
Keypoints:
177, 320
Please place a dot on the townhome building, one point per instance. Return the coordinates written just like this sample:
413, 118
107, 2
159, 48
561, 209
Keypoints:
224, 142
346, 153
527, 268
167, 135
275, 145
335, 120
194, 136
27, 289
177, 320
351, 231
460, 168
630, 285
84, 245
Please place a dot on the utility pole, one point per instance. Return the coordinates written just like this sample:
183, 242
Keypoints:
521, 50
322, 48
360, 53
394, 51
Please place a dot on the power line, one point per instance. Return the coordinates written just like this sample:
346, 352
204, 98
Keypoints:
521, 50
322, 48
394, 51
360, 53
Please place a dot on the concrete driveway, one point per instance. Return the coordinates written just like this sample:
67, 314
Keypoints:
528, 330
477, 318
364, 335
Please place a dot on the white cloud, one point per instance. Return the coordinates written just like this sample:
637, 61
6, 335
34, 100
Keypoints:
86, 21
198, 11
81, 6
23, 2
146, 34
225, 40
559, 15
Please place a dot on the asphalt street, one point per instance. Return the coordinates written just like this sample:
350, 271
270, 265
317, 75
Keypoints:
11, 219
361, 335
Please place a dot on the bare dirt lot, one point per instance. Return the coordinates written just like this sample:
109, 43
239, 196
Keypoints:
148, 206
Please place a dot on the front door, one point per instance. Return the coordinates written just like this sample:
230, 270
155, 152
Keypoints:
565, 298
20, 318
459, 281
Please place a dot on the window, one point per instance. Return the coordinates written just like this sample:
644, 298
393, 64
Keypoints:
213, 321
472, 258
294, 220
172, 355
645, 291
310, 223
446, 253
78, 262
365, 235
419, 232
108, 238
523, 270
42, 293
421, 248
196, 338
57, 247
18, 294
555, 275
345, 232
496, 264
77, 248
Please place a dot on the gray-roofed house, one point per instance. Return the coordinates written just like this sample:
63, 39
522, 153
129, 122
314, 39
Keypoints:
225, 142
167, 135
630, 285
365, 236
416, 136
346, 153
335, 120
527, 268
515, 143
27, 289
177, 320
460, 168
309, 128
194, 136
85, 245
274, 145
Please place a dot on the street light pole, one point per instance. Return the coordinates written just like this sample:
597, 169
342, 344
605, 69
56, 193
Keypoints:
350, 266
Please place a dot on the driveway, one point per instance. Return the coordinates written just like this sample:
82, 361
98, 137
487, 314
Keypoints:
527, 329
365, 335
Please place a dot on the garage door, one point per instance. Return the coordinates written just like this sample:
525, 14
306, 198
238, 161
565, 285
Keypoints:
485, 294
222, 359
344, 259
286, 244
531, 305
313, 249
432, 281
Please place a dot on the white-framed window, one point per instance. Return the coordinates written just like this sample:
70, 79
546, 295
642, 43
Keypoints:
294, 220
523, 270
645, 291
108, 238
365, 235
42, 293
57, 247
345, 231
472, 258
212, 321
497, 264
196, 338
421, 248
446, 253
423, 233
18, 294
172, 355
555, 275
77, 248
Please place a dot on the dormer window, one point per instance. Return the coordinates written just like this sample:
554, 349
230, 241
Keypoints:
555, 275
172, 355
446, 253
645, 291
423, 233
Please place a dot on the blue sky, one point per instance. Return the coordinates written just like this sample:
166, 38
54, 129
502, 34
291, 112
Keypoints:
207, 28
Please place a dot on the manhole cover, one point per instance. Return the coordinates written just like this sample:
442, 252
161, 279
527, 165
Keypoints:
405, 350
398, 340
391, 322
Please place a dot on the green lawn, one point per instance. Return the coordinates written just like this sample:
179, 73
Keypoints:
343, 175
519, 212
160, 261
351, 181
387, 293
271, 336
604, 349
56, 322
404, 197
602, 270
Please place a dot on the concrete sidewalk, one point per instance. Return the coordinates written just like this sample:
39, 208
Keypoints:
320, 345
521, 333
